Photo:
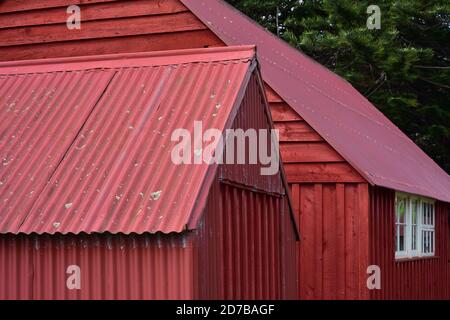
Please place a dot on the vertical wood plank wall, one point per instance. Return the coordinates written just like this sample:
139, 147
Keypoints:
331, 200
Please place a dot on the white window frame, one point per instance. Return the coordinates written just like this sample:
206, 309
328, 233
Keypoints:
424, 223
428, 226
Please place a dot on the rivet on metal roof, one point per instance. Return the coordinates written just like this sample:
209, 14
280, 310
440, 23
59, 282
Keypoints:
56, 225
68, 205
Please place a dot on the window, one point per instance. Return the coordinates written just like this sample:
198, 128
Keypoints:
414, 226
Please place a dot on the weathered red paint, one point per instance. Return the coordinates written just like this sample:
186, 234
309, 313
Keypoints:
250, 255
38, 28
333, 246
112, 266
354, 127
245, 218
117, 152
425, 278
246, 247
310, 160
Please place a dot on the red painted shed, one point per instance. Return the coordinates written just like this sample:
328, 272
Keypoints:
88, 186
345, 162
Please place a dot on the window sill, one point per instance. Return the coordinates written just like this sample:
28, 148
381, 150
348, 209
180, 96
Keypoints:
411, 259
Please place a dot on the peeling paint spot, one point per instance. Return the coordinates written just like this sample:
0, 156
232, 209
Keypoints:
68, 205
80, 148
156, 195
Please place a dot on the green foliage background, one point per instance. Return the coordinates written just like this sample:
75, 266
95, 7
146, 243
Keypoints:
403, 68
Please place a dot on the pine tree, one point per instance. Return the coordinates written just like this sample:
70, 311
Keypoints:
403, 68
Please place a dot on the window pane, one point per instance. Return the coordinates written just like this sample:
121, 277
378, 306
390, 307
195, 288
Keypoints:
432, 242
414, 238
414, 207
401, 209
423, 241
425, 213
432, 214
426, 242
397, 243
401, 238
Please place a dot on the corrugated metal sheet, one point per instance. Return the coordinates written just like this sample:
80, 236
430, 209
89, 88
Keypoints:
117, 175
348, 121
254, 114
246, 244
111, 267
40, 116
410, 279
334, 246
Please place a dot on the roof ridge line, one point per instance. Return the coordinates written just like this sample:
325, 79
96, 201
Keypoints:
141, 59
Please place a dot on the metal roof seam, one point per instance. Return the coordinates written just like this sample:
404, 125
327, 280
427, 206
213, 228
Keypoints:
145, 59
70, 145
174, 65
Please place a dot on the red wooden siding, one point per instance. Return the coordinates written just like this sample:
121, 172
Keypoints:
112, 267
409, 279
333, 246
38, 29
306, 155
331, 201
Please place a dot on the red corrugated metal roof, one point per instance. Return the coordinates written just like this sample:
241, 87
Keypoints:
85, 143
348, 121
